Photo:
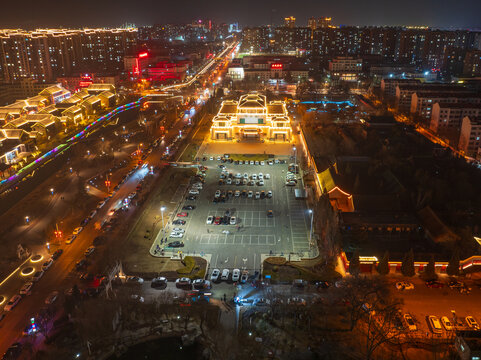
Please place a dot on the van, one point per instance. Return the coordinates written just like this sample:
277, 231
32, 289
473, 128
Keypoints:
435, 324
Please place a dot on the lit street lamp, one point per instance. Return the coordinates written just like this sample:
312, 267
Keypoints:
295, 159
27, 219
51, 191
310, 232
162, 209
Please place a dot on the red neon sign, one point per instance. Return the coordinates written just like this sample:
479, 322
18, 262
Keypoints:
142, 55
276, 66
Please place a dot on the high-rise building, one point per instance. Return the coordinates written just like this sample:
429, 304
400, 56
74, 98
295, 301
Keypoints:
290, 22
46, 54
319, 23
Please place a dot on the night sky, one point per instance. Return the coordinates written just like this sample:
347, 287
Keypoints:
67, 13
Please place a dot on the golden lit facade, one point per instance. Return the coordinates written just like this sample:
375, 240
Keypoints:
252, 118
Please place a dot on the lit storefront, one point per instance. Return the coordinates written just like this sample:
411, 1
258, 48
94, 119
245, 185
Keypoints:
252, 117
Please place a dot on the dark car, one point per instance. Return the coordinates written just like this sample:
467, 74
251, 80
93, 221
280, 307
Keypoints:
178, 222
188, 207
160, 282
191, 197
80, 264
13, 352
322, 285
434, 284
175, 244
57, 254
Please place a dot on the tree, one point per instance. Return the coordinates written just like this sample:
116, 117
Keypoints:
407, 267
430, 271
354, 264
453, 265
383, 266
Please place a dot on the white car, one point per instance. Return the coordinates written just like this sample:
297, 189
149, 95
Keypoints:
237, 193
258, 195
217, 194
256, 162
100, 204
92, 214
225, 274
269, 194
134, 279
47, 264
260, 183
263, 163
238, 176
215, 275
254, 176
246, 175
250, 194
26, 288
267, 176
51, 298
178, 230
261, 176
235, 275
270, 162
210, 220
176, 235
211, 158
194, 192
12, 303
233, 220
77, 230
229, 181
251, 162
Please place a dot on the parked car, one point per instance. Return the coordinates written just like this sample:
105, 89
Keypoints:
472, 323
183, 282
183, 214
435, 324
57, 254
80, 264
200, 284
51, 298
270, 213
434, 284
178, 222
89, 251
134, 279
188, 207
77, 230
175, 244
215, 275
70, 239
177, 235
244, 277
446, 323
12, 303
46, 265
210, 220
235, 275
402, 285
37, 276
225, 275
159, 282
26, 288
233, 220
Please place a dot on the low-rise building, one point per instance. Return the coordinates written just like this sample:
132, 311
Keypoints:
448, 116
345, 68
422, 102
470, 137
389, 85
252, 117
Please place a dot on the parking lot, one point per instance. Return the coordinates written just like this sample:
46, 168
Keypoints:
237, 228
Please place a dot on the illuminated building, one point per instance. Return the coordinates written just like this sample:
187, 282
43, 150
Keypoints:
345, 68
319, 23
470, 137
290, 21
448, 116
252, 117
46, 54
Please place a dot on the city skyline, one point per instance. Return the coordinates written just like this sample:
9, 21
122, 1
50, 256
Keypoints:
439, 14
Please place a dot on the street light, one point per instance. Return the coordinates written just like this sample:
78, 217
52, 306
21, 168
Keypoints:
51, 191
27, 219
295, 159
162, 209
310, 232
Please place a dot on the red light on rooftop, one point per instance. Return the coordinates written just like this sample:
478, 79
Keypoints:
276, 66
143, 55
